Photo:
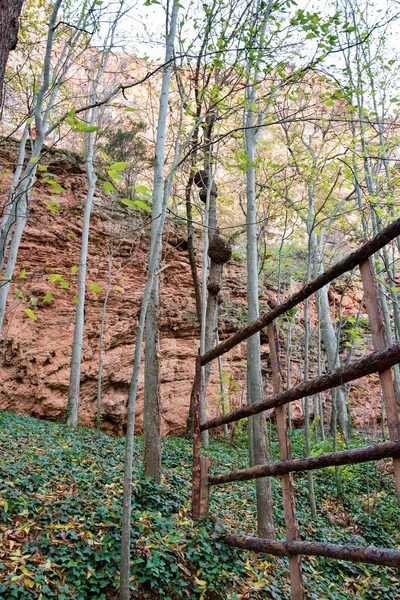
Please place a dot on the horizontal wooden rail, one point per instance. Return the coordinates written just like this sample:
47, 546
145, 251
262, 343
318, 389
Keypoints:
375, 362
347, 264
330, 459
370, 554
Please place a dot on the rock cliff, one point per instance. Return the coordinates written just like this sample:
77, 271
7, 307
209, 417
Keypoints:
35, 355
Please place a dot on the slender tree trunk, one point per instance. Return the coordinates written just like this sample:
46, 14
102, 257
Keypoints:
310, 480
289, 368
20, 204
101, 343
152, 413
222, 387
190, 240
329, 338
255, 392
151, 409
211, 285
77, 344
258, 438
319, 396
155, 252
21, 216
9, 214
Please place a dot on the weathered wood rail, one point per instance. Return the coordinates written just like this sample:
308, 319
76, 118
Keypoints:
375, 362
347, 264
355, 456
380, 361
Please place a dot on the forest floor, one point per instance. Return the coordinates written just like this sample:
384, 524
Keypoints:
60, 513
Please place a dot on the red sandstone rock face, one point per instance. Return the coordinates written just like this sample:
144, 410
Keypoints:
35, 356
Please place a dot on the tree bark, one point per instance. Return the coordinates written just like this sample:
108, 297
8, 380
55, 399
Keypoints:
289, 507
258, 438
152, 413
76, 360
151, 409
281, 468
155, 253
10, 11
371, 555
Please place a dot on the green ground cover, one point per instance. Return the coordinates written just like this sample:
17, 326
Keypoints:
60, 512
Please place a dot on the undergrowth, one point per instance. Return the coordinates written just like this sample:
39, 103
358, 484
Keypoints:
60, 513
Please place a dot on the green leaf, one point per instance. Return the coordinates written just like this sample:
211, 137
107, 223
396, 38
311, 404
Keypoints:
74, 269
76, 300
34, 160
72, 111
119, 166
108, 186
47, 298
31, 314
105, 156
42, 167
22, 274
29, 121
56, 186
33, 300
83, 127
142, 205
114, 175
142, 189
52, 206
58, 278
95, 288
89, 128
127, 202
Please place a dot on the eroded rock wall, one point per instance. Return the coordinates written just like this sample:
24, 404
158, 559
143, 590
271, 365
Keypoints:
35, 355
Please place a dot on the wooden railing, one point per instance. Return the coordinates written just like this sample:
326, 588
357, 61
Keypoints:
380, 361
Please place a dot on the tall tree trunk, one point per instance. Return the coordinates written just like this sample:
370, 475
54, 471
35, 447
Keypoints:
258, 438
151, 409
210, 291
101, 341
306, 401
329, 338
77, 344
21, 191
10, 11
9, 213
255, 392
190, 238
155, 253
152, 413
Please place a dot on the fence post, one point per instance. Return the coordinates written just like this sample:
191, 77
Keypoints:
291, 524
205, 462
196, 477
379, 340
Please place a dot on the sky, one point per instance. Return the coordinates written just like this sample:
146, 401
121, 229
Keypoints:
142, 29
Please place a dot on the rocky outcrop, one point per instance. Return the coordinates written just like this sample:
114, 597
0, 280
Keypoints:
35, 355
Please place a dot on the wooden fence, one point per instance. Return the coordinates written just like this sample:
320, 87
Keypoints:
380, 361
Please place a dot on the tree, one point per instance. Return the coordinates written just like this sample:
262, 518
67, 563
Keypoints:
10, 11
161, 190
99, 66
258, 441
151, 410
